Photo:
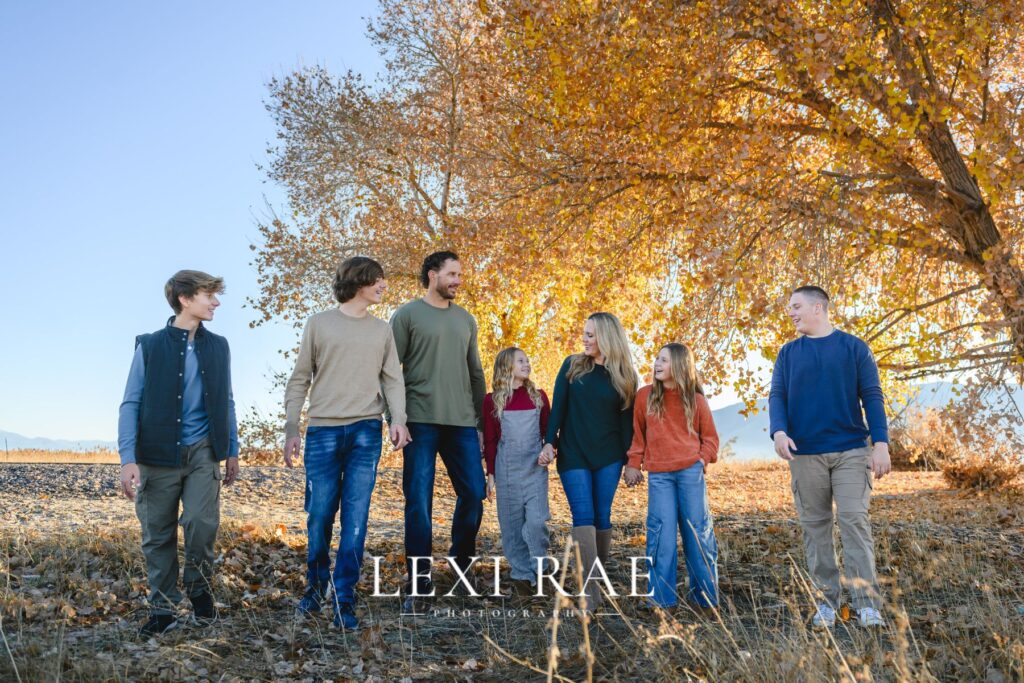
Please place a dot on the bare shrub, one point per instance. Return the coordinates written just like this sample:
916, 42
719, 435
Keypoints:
919, 439
996, 466
975, 440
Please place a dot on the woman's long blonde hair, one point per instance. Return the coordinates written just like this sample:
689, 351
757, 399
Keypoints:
501, 382
613, 344
684, 374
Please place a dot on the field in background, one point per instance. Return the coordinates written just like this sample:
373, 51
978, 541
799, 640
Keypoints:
72, 583
38, 455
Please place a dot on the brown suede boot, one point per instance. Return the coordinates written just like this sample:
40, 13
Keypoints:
586, 537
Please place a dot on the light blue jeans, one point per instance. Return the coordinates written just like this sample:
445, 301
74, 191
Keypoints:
679, 501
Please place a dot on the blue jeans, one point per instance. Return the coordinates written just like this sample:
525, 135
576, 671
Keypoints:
341, 468
590, 494
679, 500
460, 451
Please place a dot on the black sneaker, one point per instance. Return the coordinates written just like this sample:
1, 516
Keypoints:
413, 605
203, 610
345, 617
313, 599
157, 624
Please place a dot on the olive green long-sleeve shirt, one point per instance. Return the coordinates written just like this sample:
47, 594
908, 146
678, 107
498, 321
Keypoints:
437, 347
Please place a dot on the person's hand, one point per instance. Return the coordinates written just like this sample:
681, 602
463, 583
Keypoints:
490, 488
399, 436
881, 465
130, 480
291, 450
547, 455
480, 439
231, 471
633, 476
784, 445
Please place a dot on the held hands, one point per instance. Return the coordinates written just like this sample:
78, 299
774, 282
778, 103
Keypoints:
881, 465
633, 476
291, 450
784, 445
130, 480
490, 488
399, 437
547, 455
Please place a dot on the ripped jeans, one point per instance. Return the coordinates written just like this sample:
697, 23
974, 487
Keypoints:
341, 470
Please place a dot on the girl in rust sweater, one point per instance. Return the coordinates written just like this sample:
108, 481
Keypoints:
674, 439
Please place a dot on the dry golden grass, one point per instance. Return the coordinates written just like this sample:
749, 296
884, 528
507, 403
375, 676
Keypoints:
951, 564
37, 455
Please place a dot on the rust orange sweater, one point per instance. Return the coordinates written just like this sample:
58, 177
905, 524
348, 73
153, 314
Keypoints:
665, 444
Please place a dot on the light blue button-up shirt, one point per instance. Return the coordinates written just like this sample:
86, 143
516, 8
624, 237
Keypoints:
195, 423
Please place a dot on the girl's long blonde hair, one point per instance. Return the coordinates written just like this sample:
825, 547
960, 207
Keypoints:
501, 382
684, 374
613, 344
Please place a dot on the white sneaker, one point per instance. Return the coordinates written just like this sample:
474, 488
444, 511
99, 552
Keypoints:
825, 617
869, 617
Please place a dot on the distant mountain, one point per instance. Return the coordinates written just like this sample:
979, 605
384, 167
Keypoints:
17, 441
747, 438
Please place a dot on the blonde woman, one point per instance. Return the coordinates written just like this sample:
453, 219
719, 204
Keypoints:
591, 425
515, 419
674, 439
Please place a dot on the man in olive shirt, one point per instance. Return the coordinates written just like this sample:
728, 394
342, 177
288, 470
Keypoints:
436, 342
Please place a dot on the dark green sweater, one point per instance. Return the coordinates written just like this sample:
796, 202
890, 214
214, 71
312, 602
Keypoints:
588, 424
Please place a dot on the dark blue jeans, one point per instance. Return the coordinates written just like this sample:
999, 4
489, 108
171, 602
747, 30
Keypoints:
341, 469
590, 494
460, 452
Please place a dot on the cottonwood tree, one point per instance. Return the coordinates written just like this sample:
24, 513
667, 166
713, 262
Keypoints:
401, 167
683, 164
871, 147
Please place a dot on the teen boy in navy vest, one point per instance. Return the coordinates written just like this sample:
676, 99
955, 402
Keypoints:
176, 425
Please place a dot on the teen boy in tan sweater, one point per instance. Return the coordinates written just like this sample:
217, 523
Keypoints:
348, 365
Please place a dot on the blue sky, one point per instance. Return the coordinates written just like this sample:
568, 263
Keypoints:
130, 135
129, 138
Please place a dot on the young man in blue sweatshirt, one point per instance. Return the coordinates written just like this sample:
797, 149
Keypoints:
176, 425
823, 385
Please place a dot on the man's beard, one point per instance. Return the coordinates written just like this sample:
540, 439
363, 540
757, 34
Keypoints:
444, 292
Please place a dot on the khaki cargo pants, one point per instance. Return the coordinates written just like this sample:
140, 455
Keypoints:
845, 478
196, 486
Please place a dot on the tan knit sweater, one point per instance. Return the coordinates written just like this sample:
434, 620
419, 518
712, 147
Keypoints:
348, 366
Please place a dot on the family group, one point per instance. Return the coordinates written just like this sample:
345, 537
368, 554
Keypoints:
419, 379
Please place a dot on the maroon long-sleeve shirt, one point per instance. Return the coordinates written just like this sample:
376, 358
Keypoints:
520, 400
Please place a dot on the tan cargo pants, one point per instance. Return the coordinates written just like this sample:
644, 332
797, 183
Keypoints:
196, 487
845, 478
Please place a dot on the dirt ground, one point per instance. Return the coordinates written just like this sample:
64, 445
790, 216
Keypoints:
951, 563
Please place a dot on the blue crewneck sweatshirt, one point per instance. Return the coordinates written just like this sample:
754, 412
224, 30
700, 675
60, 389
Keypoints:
818, 387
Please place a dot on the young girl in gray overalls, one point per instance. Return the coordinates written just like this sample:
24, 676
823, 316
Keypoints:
515, 419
